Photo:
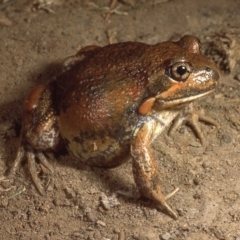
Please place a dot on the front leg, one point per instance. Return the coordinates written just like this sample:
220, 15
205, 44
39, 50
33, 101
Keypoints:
145, 171
191, 117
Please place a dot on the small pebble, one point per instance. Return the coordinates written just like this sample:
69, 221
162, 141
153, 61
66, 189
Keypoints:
185, 227
69, 193
229, 162
56, 202
50, 188
77, 234
91, 217
206, 165
226, 138
196, 144
109, 202
101, 223
166, 236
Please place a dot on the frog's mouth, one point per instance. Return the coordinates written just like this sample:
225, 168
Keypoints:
169, 103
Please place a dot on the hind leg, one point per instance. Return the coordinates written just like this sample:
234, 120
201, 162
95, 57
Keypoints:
40, 132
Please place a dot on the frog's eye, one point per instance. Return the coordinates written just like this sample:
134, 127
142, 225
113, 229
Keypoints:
180, 71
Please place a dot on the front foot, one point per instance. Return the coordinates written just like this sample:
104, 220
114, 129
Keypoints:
145, 170
165, 207
31, 158
192, 117
160, 200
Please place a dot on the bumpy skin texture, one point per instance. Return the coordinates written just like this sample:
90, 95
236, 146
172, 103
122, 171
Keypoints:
101, 96
113, 101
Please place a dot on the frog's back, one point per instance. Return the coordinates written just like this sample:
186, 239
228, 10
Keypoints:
99, 100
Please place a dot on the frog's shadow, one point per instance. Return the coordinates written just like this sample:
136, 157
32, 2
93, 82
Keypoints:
11, 137
112, 182
112, 179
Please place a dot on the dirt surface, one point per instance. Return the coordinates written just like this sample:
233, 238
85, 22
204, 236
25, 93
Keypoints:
34, 40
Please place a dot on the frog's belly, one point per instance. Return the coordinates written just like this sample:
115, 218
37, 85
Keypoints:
104, 144
100, 151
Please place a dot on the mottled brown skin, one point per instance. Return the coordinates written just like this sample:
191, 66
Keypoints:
113, 101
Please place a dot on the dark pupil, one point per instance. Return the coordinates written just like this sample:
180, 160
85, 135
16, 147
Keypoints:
181, 70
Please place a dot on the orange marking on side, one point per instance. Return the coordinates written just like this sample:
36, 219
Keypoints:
32, 99
146, 106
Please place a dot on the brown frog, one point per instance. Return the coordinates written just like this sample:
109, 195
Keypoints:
112, 102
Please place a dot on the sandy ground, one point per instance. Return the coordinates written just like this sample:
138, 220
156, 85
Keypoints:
34, 39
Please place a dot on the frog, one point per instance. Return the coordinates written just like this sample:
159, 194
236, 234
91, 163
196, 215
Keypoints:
112, 102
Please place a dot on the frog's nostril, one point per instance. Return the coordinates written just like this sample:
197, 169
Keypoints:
208, 69
212, 72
